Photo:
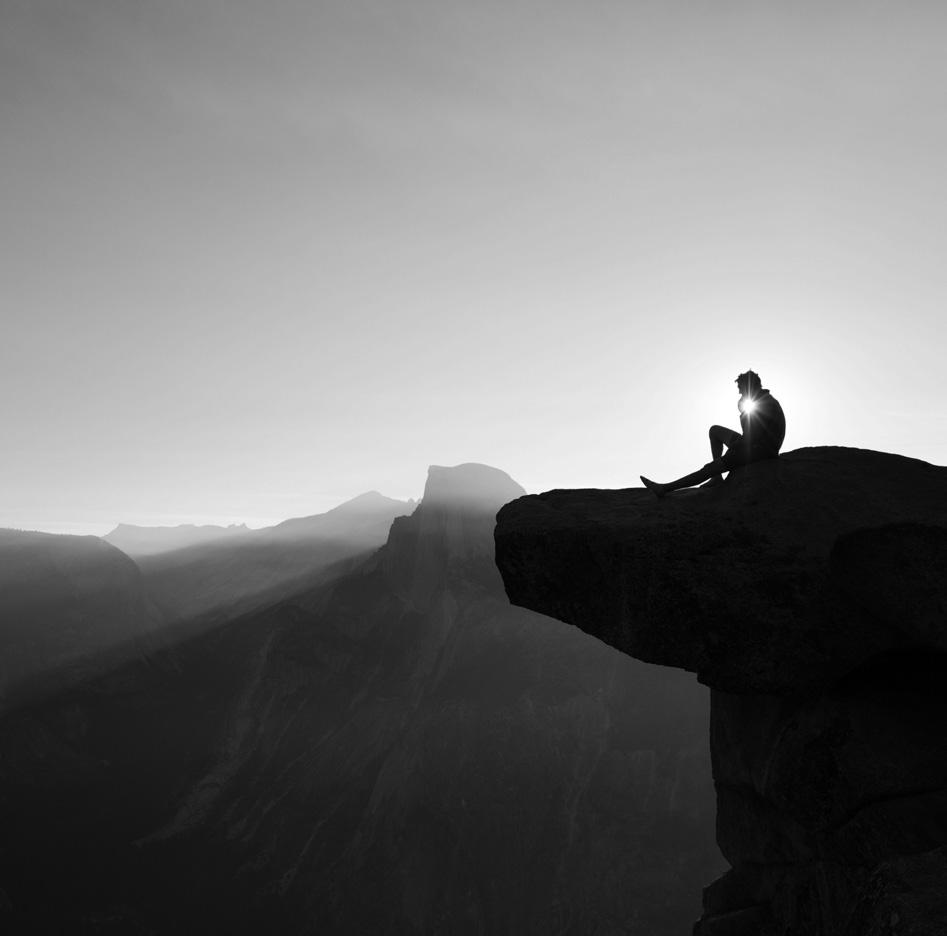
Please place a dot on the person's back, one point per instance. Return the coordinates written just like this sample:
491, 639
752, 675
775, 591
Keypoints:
764, 426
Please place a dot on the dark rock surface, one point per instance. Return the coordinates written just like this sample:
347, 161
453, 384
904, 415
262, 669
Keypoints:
810, 593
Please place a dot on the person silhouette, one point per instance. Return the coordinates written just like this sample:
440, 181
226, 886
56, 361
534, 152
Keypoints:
764, 428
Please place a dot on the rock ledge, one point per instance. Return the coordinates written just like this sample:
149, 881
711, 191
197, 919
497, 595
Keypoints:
809, 592
781, 580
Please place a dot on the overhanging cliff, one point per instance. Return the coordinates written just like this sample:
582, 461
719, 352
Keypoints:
809, 592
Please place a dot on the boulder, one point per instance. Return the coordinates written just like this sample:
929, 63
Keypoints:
809, 592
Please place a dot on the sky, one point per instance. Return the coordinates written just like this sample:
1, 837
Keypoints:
260, 257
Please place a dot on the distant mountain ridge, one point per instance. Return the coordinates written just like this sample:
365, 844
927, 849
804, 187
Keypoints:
141, 541
231, 575
138, 541
352, 517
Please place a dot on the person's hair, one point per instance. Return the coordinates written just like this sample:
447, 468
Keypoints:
752, 381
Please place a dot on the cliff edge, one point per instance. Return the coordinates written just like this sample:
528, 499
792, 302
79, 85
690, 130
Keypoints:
809, 592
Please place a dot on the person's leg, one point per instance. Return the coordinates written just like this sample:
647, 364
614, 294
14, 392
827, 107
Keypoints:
720, 436
709, 470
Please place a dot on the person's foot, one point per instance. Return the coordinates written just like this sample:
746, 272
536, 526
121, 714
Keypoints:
656, 489
713, 482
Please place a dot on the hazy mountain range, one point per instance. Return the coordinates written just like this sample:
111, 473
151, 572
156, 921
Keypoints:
359, 516
138, 541
386, 746
237, 572
74, 605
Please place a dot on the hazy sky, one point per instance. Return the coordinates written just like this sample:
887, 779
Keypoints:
259, 257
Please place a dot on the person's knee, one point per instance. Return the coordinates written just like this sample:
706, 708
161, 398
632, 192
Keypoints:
717, 433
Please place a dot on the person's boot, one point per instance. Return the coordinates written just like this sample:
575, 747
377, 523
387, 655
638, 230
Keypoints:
656, 489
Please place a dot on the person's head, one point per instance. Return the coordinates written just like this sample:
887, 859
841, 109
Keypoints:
749, 384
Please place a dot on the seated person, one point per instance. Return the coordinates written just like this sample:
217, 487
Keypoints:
764, 428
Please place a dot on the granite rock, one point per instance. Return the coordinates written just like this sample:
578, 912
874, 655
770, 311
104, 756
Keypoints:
809, 592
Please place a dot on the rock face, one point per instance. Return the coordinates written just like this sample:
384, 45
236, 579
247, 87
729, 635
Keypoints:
810, 593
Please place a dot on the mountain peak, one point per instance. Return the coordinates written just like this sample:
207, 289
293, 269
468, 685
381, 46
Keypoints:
371, 501
470, 485
367, 513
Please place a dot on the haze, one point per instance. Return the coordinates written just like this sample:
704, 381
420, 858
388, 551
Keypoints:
258, 257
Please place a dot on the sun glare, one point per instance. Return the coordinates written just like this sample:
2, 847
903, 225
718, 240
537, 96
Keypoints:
749, 406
